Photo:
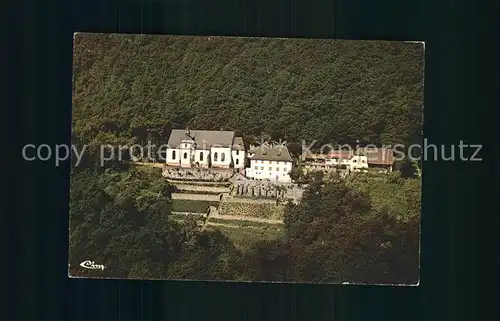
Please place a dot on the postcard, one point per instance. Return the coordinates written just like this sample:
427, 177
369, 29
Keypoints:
246, 159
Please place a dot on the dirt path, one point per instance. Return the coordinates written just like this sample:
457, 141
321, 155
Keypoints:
208, 223
245, 218
234, 218
189, 213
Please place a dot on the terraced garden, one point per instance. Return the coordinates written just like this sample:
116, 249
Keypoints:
254, 209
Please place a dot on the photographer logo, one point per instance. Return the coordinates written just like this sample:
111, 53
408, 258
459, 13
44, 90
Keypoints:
91, 265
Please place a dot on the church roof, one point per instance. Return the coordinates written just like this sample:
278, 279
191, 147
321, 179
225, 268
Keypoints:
204, 139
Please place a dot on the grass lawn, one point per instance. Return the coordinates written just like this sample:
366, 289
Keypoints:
393, 196
244, 237
192, 206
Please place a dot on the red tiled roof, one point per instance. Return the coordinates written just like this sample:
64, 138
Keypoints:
314, 156
379, 156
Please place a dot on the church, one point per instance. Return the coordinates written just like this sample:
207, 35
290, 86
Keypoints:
206, 149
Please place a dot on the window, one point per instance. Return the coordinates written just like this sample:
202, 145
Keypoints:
277, 169
215, 157
185, 145
262, 168
270, 168
363, 161
173, 154
256, 167
201, 157
237, 152
185, 155
354, 161
237, 161
222, 157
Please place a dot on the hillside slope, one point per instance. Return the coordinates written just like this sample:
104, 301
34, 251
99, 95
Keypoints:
133, 88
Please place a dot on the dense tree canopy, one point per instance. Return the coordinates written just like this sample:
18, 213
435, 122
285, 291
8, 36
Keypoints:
121, 220
334, 235
133, 88
339, 232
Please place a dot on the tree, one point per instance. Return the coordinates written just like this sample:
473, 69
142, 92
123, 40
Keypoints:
297, 173
127, 89
124, 90
334, 235
295, 150
410, 169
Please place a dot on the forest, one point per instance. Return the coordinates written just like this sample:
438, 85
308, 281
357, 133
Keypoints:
339, 232
136, 88
133, 89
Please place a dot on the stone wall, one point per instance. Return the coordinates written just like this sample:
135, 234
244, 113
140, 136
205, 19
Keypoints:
196, 197
201, 189
198, 174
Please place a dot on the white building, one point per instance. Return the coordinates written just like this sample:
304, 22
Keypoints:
272, 163
327, 162
205, 148
358, 162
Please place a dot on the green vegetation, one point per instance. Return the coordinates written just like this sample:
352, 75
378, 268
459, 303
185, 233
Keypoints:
397, 196
261, 210
131, 89
245, 238
121, 218
340, 231
193, 206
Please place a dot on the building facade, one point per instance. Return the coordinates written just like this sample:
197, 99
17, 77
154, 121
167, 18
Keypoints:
340, 159
272, 163
205, 149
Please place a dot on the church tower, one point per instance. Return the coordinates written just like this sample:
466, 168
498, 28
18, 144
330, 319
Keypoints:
187, 149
